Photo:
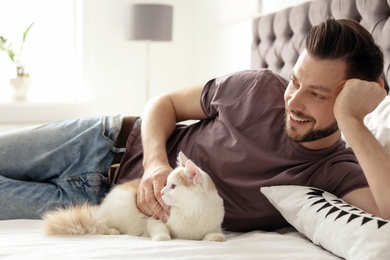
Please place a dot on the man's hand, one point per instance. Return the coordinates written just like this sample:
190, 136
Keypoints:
357, 99
149, 199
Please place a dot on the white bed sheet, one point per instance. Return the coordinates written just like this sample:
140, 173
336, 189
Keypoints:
23, 239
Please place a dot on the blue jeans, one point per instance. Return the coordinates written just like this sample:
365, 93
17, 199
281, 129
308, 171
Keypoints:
55, 165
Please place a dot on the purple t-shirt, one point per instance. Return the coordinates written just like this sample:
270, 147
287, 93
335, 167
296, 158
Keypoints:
243, 146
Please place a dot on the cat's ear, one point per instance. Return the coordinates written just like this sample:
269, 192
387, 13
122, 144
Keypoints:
181, 159
193, 173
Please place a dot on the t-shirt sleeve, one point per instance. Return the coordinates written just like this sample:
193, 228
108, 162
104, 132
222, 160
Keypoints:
229, 90
350, 177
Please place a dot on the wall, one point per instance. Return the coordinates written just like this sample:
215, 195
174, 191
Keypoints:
115, 68
270, 6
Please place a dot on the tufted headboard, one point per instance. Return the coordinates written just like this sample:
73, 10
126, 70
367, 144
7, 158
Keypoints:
279, 38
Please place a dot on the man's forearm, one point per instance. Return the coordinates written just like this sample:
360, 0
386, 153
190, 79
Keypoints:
374, 160
156, 129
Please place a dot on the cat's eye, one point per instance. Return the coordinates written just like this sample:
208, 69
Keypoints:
173, 186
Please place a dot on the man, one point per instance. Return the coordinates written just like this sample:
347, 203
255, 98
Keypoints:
236, 141
255, 130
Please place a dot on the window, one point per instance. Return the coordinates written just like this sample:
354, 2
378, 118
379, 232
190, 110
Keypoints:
52, 50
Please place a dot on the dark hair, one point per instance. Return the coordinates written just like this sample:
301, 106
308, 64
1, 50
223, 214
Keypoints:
347, 40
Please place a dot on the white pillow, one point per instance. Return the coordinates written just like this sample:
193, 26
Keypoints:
378, 122
331, 223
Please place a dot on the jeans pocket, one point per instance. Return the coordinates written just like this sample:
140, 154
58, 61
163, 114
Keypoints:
91, 187
111, 126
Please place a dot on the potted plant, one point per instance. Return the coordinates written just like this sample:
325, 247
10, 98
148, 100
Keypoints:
22, 80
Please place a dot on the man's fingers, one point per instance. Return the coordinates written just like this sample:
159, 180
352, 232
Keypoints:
150, 203
142, 203
149, 199
157, 202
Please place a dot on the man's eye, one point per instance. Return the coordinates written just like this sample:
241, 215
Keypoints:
294, 83
316, 95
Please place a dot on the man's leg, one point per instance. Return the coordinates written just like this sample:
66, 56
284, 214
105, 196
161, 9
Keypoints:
55, 165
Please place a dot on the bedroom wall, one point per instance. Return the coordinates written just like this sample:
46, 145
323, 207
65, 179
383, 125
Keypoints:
203, 47
270, 6
210, 38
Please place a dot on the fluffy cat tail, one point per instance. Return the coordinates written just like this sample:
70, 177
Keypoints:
75, 220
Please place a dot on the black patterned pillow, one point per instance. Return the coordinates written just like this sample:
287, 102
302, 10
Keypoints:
330, 222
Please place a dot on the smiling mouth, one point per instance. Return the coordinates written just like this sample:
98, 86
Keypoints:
298, 119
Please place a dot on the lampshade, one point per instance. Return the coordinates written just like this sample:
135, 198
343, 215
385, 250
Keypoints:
150, 22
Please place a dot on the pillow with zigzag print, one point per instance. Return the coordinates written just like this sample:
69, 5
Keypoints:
331, 223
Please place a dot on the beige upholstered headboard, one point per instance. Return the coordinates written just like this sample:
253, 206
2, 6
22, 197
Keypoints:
278, 38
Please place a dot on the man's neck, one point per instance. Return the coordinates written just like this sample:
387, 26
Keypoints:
322, 143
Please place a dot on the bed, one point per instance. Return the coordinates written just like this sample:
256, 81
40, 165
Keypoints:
323, 226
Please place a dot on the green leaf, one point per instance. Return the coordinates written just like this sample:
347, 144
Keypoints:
11, 55
2, 43
26, 32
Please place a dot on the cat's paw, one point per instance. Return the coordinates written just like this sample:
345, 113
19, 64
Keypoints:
161, 237
113, 231
217, 237
106, 231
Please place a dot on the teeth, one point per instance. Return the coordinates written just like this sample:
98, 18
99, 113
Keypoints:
298, 119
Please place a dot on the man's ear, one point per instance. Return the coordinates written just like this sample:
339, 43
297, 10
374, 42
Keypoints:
381, 82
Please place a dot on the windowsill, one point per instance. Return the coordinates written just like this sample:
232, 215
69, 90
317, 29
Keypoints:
29, 112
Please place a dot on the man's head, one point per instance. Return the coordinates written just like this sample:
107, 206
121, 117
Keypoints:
347, 40
336, 50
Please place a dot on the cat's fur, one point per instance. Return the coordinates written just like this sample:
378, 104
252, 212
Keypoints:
196, 210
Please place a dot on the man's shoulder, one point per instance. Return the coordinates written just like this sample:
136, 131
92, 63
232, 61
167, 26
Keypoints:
253, 76
263, 72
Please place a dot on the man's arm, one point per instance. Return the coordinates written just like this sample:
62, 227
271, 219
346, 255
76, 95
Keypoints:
356, 100
158, 122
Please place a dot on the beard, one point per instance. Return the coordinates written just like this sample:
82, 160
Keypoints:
313, 134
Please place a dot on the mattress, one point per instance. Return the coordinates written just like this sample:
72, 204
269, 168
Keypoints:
24, 239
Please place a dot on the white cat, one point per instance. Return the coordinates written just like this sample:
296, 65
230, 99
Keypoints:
196, 210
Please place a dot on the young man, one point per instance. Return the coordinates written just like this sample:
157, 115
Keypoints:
250, 137
255, 130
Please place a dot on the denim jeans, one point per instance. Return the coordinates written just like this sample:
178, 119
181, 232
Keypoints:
55, 165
